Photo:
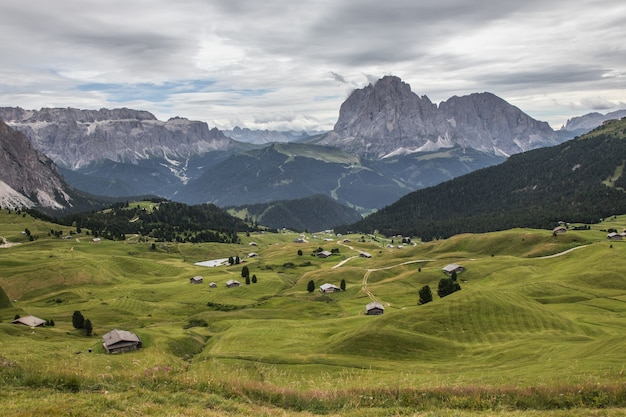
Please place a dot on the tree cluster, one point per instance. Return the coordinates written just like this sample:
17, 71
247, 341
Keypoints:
80, 322
169, 221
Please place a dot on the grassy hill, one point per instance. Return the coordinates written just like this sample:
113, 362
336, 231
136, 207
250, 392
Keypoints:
536, 328
317, 212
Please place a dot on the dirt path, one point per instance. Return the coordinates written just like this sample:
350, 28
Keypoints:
562, 253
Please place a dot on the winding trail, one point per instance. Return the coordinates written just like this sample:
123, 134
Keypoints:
369, 271
371, 295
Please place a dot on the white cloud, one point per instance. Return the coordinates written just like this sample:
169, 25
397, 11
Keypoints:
284, 64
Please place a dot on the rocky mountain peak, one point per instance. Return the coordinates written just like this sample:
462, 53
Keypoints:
387, 118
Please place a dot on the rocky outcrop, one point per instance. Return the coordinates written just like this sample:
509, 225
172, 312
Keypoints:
585, 123
28, 178
387, 118
73, 138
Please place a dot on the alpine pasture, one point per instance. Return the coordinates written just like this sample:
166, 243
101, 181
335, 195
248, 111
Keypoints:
537, 328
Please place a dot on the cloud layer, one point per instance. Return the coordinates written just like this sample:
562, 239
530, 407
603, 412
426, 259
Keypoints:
289, 65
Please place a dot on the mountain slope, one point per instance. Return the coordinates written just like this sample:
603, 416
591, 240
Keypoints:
290, 171
387, 118
315, 213
578, 181
28, 178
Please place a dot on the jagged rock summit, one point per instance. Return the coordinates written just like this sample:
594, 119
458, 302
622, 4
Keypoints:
386, 118
73, 138
28, 178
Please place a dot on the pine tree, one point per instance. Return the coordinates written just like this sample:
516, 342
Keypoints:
426, 295
342, 285
245, 272
253, 278
88, 327
78, 321
310, 286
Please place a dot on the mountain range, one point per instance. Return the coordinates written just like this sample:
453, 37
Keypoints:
386, 143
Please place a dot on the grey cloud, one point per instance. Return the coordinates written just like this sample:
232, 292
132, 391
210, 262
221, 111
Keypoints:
338, 77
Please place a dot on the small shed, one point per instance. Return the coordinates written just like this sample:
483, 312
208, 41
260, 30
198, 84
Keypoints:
252, 244
253, 255
30, 321
213, 285
118, 341
328, 288
374, 309
614, 236
323, 254
196, 280
232, 283
559, 230
449, 269
365, 255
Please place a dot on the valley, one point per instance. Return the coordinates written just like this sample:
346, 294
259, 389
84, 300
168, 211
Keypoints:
528, 330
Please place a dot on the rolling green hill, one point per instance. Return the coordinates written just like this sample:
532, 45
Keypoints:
578, 181
314, 213
537, 327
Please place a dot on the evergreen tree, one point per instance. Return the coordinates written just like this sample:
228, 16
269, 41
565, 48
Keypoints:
310, 286
426, 295
88, 327
247, 280
253, 278
231, 260
78, 321
342, 285
245, 272
447, 287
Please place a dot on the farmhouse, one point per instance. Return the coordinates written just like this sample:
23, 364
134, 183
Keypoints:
449, 269
374, 309
323, 254
196, 280
614, 236
232, 283
327, 288
559, 230
30, 321
118, 341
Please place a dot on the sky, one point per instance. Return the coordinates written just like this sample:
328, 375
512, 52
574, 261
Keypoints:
289, 65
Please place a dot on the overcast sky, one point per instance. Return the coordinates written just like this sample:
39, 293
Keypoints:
285, 64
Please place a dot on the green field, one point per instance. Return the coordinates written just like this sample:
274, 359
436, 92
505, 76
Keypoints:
537, 329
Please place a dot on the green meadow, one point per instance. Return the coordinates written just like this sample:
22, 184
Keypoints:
538, 327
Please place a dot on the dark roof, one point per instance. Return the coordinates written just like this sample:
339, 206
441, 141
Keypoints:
119, 337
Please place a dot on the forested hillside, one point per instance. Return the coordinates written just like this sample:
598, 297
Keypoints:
161, 220
315, 213
578, 181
